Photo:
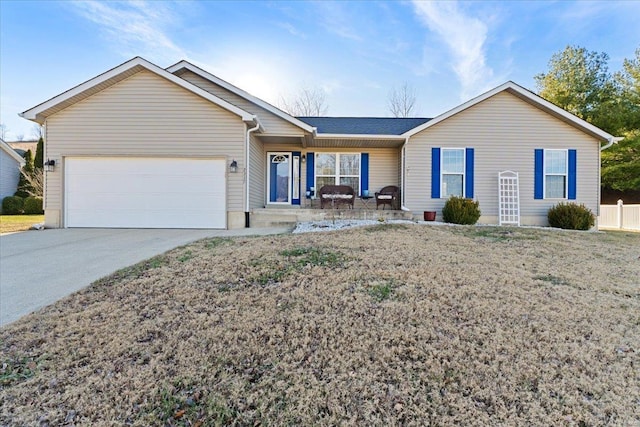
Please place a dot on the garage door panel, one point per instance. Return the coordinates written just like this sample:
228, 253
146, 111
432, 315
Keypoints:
137, 219
145, 193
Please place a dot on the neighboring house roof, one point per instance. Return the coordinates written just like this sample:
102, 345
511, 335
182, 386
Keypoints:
11, 152
40, 112
185, 65
21, 147
526, 96
363, 125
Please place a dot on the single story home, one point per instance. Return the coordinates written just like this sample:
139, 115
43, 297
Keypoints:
10, 165
143, 146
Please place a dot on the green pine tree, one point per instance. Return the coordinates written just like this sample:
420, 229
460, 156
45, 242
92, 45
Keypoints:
25, 189
38, 162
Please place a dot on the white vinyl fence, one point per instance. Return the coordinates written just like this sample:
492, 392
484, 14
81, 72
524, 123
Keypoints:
619, 217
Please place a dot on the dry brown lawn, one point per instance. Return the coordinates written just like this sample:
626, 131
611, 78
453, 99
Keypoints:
381, 326
13, 223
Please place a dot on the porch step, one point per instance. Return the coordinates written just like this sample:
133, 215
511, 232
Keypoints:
289, 217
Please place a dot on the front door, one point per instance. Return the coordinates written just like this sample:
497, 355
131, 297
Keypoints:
283, 180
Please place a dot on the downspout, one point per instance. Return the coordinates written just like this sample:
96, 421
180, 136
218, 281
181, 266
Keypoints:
611, 141
247, 170
403, 153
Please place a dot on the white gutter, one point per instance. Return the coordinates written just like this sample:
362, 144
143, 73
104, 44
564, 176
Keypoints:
612, 140
358, 136
247, 169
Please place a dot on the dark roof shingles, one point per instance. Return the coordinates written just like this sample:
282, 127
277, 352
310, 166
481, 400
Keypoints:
364, 125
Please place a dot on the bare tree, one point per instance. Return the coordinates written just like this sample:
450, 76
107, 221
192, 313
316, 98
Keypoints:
309, 102
402, 100
3, 131
37, 131
20, 137
35, 182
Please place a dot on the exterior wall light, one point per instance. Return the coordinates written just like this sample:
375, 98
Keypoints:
49, 165
304, 158
233, 167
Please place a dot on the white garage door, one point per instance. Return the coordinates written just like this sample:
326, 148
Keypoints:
145, 193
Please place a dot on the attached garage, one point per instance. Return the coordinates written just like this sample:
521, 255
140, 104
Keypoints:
140, 192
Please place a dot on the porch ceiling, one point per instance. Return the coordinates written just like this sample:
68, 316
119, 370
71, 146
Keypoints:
311, 142
355, 143
277, 139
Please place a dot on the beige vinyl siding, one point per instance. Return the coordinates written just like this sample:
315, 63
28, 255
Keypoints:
504, 132
272, 123
257, 181
145, 115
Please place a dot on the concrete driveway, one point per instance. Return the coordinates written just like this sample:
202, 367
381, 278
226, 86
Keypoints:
38, 268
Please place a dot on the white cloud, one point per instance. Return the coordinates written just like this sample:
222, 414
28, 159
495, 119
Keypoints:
268, 82
335, 19
465, 37
291, 29
136, 27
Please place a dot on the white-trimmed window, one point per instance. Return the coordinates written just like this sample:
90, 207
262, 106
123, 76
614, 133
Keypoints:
555, 174
452, 168
338, 169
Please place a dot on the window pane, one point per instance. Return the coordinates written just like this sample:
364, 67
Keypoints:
451, 185
349, 164
555, 161
324, 180
351, 182
555, 186
452, 161
325, 164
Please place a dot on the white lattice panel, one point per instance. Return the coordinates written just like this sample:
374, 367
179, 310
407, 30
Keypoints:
509, 198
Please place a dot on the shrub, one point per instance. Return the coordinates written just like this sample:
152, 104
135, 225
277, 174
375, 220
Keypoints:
12, 205
33, 205
458, 210
571, 216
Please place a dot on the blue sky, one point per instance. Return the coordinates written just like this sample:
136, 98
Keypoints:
355, 51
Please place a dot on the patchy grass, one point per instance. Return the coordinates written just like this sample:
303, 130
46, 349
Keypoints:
16, 369
413, 326
383, 226
380, 291
13, 223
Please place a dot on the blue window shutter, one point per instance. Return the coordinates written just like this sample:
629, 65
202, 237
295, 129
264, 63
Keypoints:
538, 191
296, 154
364, 172
572, 175
435, 173
468, 173
310, 170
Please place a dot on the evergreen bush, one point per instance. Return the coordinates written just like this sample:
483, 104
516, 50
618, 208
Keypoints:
571, 216
33, 206
458, 210
38, 161
12, 205
25, 189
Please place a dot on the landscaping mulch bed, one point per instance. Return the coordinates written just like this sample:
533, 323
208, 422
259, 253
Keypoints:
383, 325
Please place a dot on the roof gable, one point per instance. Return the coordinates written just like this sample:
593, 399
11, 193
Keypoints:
528, 97
11, 152
185, 65
363, 125
76, 94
